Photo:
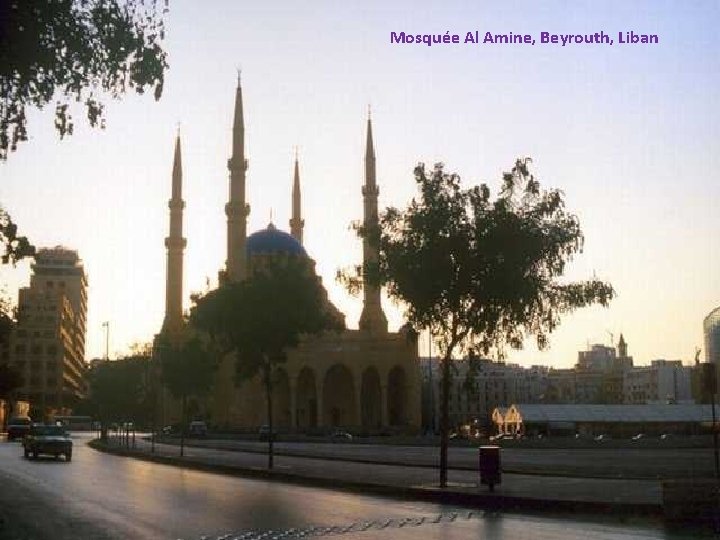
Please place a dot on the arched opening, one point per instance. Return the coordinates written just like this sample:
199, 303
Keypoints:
397, 397
370, 399
281, 399
307, 414
339, 397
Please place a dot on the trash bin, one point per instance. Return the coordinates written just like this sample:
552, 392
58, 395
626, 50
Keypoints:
489, 465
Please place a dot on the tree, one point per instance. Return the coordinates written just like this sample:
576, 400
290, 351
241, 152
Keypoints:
261, 318
10, 377
16, 247
118, 390
477, 272
7, 320
187, 371
77, 50
10, 380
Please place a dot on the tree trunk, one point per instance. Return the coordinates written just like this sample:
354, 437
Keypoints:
444, 419
182, 427
271, 436
10, 409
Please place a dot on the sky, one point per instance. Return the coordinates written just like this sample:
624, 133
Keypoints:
628, 132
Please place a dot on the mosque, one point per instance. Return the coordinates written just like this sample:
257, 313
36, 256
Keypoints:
366, 380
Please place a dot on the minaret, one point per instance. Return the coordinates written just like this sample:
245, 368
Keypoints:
175, 244
622, 347
236, 209
296, 222
372, 318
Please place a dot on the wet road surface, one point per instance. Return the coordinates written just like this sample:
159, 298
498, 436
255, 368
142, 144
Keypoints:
108, 497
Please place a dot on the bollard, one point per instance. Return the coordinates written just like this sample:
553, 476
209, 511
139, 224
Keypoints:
489, 466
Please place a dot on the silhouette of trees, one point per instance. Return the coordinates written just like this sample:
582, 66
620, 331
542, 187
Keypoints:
15, 247
75, 51
478, 273
10, 377
118, 390
10, 380
262, 317
187, 371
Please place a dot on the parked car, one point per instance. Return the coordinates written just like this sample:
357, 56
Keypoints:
665, 437
18, 427
341, 436
264, 433
638, 437
197, 428
50, 440
602, 438
502, 437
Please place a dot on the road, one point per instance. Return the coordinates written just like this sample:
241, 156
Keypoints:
611, 462
107, 497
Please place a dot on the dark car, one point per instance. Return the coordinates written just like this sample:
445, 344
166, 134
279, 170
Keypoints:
49, 440
18, 427
197, 428
264, 433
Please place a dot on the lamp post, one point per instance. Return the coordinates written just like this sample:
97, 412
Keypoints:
106, 326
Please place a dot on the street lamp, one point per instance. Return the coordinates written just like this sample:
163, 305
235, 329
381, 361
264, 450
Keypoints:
106, 326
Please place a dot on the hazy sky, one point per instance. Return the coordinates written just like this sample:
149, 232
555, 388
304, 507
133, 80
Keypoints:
630, 133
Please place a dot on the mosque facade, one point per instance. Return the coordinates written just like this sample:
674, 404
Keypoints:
367, 380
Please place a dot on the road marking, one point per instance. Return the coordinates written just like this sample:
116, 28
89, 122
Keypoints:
297, 533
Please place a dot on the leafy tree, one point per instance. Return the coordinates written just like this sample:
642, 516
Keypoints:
187, 371
16, 247
7, 319
478, 272
10, 377
10, 380
77, 50
118, 390
262, 317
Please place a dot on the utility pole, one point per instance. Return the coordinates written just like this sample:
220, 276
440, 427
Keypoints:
430, 376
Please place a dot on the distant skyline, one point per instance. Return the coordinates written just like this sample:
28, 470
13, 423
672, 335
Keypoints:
629, 133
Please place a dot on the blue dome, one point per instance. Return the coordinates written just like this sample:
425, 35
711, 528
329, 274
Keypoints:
272, 240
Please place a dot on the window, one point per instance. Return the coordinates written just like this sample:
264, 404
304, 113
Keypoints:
50, 284
20, 349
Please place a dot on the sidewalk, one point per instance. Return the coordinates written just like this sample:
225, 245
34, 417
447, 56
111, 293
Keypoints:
517, 491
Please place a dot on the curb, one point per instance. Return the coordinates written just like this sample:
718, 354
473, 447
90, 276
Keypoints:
494, 501
510, 470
